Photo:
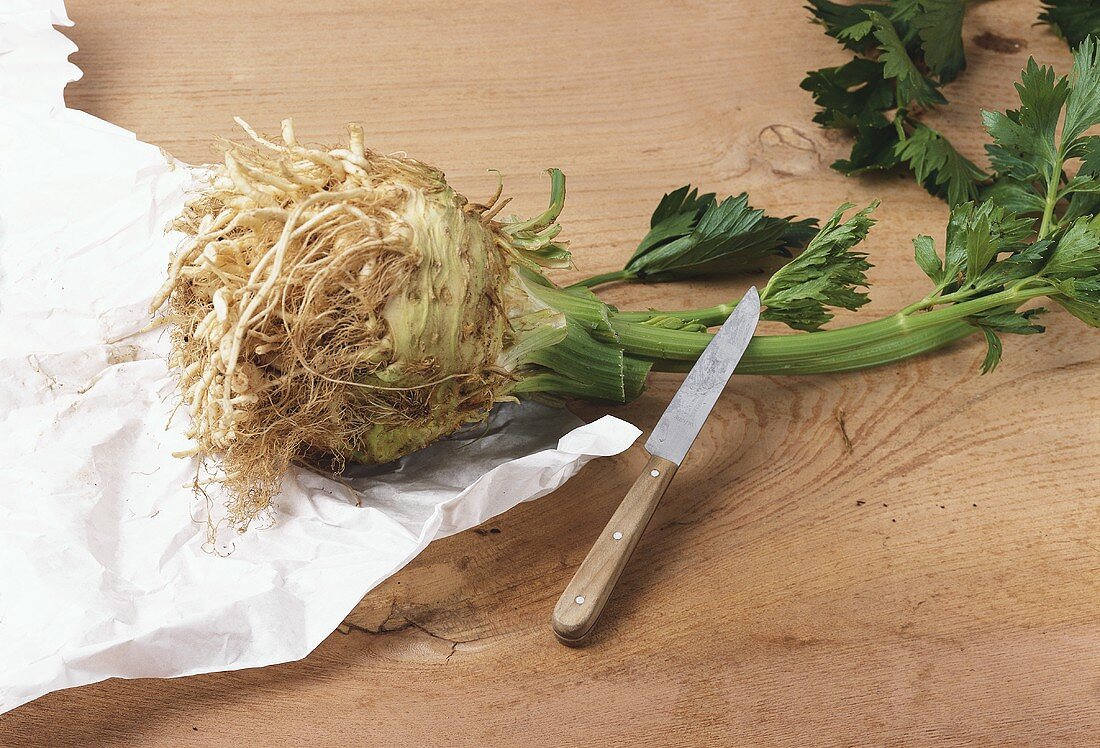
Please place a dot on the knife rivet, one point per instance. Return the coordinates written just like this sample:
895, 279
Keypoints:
617, 535
655, 473
579, 600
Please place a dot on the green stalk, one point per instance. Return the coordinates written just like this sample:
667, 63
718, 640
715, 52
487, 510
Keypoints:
611, 277
580, 305
1051, 198
583, 367
888, 343
1054, 183
860, 346
709, 316
547, 218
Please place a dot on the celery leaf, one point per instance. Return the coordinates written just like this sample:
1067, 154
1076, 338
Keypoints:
826, 274
1074, 20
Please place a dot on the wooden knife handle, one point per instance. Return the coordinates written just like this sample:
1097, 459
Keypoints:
585, 596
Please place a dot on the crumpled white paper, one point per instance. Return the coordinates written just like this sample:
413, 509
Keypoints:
104, 570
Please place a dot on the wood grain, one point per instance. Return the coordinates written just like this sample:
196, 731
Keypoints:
908, 556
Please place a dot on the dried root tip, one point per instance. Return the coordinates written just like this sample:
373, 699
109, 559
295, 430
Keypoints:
288, 132
355, 133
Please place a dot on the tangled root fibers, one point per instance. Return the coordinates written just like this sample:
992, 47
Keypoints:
330, 303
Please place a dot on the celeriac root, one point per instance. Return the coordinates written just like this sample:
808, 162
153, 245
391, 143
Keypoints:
330, 302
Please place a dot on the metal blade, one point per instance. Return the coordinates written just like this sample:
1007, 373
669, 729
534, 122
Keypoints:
692, 403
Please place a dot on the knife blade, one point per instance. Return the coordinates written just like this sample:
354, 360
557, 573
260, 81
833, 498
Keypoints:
584, 598
675, 432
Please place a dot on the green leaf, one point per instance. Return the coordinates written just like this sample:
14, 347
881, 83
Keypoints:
939, 26
676, 215
977, 233
1011, 154
992, 351
912, 85
1083, 102
1020, 265
1088, 150
1072, 19
942, 170
1029, 158
826, 274
875, 149
692, 234
1008, 320
1014, 196
1024, 139
1081, 298
954, 252
849, 94
1004, 321
924, 251
902, 15
1077, 252
856, 32
862, 94
1074, 265
1085, 202
981, 248
1081, 183
684, 201
839, 20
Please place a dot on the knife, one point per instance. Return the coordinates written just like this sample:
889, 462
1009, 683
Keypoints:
584, 598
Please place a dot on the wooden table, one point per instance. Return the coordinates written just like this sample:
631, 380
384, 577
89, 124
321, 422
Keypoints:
904, 556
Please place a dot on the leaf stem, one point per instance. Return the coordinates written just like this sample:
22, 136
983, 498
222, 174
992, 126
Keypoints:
597, 280
709, 316
881, 341
775, 354
1053, 183
935, 299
